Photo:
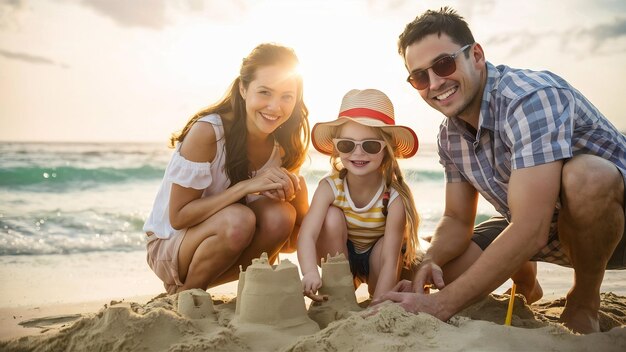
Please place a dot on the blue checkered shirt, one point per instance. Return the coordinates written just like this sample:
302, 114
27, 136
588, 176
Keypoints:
527, 118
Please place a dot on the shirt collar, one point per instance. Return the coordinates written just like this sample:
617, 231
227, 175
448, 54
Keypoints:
486, 118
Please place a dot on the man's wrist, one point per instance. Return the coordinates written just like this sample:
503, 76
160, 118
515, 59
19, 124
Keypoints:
446, 307
428, 259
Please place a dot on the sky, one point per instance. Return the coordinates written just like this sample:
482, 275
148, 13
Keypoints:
135, 71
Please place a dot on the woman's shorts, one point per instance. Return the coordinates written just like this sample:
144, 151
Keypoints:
487, 231
162, 258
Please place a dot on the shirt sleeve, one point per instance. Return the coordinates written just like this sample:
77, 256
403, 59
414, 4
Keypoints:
443, 146
538, 129
189, 174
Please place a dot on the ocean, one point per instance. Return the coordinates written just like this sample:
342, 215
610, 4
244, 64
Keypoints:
71, 217
61, 198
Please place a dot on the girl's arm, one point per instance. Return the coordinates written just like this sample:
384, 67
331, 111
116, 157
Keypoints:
309, 233
301, 204
187, 208
392, 247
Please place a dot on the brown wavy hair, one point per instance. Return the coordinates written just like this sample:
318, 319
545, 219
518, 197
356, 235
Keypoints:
292, 136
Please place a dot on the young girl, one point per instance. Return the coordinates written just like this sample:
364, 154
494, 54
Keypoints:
231, 190
364, 208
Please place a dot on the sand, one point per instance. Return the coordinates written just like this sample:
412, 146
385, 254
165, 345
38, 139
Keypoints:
270, 314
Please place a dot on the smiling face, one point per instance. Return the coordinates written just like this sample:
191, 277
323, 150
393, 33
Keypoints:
358, 162
458, 94
270, 99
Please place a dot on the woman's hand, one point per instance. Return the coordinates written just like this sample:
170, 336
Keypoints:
285, 184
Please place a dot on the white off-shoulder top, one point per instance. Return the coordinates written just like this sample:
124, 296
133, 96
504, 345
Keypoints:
210, 176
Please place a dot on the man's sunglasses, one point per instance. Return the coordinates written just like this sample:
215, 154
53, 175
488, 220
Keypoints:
443, 67
370, 146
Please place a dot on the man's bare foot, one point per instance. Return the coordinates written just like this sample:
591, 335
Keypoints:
581, 321
532, 292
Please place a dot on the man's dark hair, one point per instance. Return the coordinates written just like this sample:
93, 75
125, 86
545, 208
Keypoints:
445, 21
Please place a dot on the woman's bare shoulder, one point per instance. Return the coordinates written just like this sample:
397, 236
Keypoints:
200, 143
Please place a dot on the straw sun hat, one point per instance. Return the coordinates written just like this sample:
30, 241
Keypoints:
368, 107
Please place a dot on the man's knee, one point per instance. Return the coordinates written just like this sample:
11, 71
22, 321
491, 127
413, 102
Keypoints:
592, 197
586, 178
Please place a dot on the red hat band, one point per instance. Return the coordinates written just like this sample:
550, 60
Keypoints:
365, 112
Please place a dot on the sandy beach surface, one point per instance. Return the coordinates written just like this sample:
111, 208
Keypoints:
265, 311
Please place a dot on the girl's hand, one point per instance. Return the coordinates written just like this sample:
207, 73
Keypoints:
311, 282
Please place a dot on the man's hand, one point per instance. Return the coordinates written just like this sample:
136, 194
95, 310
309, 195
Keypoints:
407, 300
404, 286
412, 302
427, 275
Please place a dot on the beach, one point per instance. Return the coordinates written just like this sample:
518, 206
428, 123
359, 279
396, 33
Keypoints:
72, 256
117, 322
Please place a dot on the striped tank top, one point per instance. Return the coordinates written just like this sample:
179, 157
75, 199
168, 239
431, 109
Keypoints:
367, 224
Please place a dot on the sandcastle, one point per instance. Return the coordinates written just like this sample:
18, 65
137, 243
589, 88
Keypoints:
337, 284
270, 297
196, 304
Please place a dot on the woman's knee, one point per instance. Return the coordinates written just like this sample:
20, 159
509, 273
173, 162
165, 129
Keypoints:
277, 220
238, 226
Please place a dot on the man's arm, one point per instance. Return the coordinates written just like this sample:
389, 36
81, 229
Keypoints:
451, 236
532, 197
454, 230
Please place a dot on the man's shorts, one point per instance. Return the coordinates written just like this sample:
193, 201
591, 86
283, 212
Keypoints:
162, 257
487, 231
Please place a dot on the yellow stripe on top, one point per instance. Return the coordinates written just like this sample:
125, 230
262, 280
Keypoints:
365, 225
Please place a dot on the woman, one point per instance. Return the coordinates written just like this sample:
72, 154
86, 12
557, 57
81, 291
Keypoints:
231, 190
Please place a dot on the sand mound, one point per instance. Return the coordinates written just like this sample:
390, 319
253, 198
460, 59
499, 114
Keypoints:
393, 329
156, 326
271, 315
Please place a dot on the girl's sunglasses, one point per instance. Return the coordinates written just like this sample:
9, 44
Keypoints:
370, 146
443, 67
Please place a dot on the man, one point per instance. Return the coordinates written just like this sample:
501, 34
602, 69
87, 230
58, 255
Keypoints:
536, 149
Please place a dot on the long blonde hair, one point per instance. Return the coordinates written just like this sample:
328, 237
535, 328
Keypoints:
393, 178
292, 136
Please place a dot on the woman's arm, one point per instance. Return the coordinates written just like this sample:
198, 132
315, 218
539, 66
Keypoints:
187, 207
392, 245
